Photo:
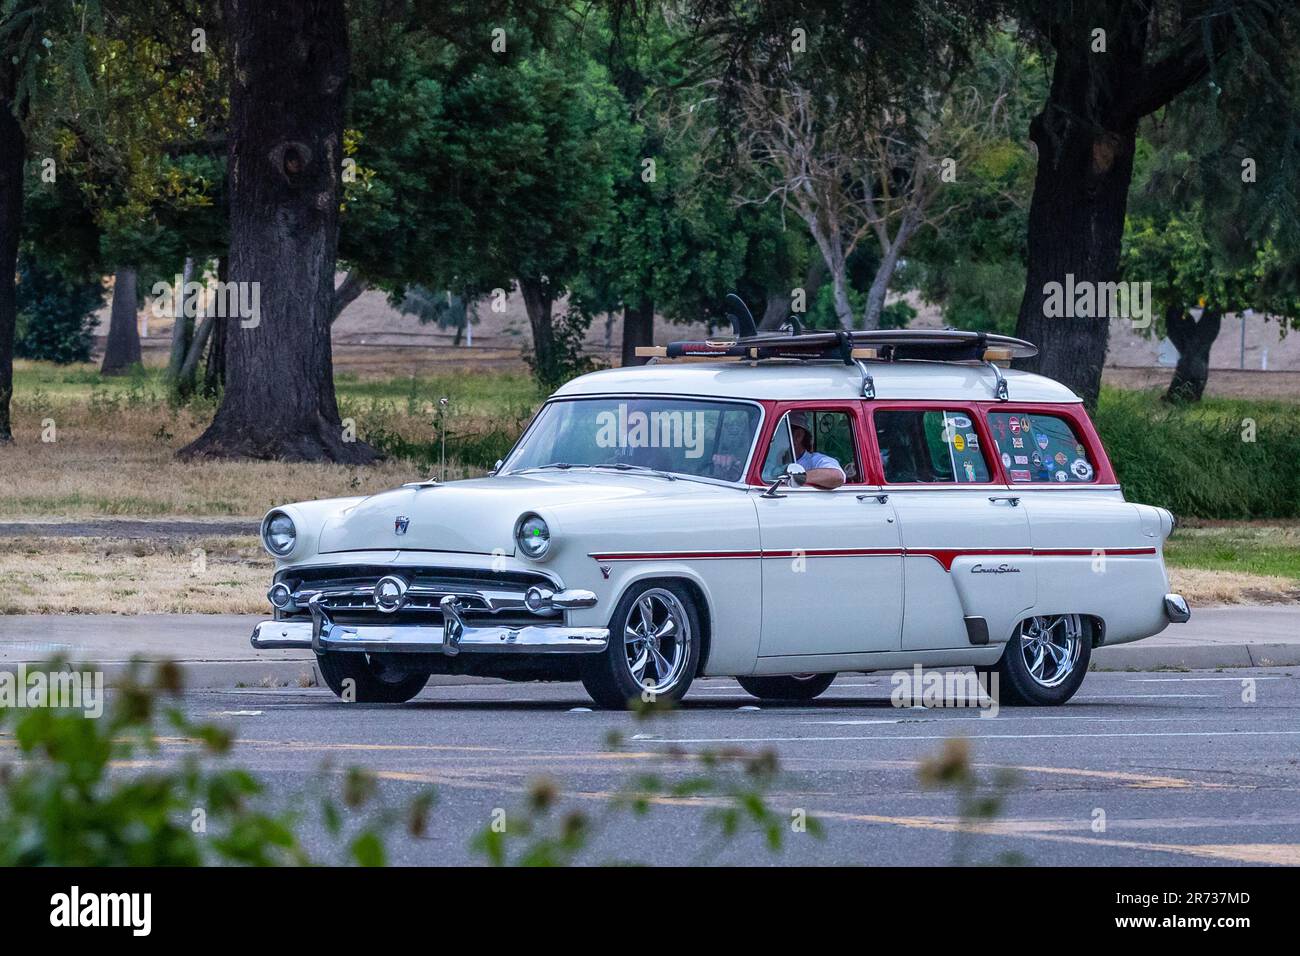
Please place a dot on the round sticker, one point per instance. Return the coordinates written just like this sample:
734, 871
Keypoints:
1082, 470
1015, 425
1036, 460
1061, 476
1006, 460
958, 442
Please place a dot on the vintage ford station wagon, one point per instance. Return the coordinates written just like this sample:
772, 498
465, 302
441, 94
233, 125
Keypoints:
780, 518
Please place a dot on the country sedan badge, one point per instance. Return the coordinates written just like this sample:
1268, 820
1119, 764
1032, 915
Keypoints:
797, 507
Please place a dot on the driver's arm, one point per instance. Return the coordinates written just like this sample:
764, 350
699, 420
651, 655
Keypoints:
825, 478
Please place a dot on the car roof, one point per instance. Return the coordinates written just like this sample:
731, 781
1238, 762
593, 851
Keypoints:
806, 380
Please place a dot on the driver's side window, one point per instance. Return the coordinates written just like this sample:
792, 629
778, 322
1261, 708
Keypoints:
827, 438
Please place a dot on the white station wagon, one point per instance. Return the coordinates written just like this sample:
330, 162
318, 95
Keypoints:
797, 507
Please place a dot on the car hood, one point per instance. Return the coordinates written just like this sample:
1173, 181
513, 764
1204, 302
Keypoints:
478, 516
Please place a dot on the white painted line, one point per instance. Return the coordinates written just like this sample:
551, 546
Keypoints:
973, 737
1139, 696
1160, 680
974, 712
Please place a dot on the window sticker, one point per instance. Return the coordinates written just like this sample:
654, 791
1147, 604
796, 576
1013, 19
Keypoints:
1052, 454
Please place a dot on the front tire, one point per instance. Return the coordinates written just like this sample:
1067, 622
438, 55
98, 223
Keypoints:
358, 677
654, 647
1045, 662
798, 687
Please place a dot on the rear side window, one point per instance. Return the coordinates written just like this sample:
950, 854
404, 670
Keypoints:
1040, 448
930, 446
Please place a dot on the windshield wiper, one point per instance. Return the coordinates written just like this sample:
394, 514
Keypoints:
624, 466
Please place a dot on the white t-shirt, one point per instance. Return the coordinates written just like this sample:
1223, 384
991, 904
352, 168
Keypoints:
815, 459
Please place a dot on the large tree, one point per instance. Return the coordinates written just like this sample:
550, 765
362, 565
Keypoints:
1116, 62
289, 72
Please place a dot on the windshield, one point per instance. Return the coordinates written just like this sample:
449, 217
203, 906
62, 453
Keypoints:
699, 438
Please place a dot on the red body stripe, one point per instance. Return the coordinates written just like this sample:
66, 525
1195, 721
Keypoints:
945, 556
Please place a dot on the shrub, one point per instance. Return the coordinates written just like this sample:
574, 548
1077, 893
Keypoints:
1199, 461
54, 314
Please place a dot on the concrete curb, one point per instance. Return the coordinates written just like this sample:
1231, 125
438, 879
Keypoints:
1139, 656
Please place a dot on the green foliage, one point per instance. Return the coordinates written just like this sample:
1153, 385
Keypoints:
979, 802
54, 313
733, 787
973, 264
565, 358
70, 801
895, 315
1187, 265
1196, 461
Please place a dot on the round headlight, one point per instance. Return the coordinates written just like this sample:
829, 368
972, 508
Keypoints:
533, 537
278, 533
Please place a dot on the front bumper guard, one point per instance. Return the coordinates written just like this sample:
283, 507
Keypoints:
452, 637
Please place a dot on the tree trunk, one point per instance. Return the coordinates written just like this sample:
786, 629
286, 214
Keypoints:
188, 378
1193, 339
289, 75
780, 306
13, 146
351, 287
182, 325
537, 303
638, 329
122, 350
843, 307
1085, 138
885, 274
214, 372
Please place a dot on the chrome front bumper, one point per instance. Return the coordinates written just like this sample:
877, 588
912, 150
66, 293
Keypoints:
451, 637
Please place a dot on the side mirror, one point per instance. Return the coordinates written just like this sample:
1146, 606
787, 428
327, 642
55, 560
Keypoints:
795, 476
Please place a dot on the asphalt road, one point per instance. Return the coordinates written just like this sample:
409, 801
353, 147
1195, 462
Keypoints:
1178, 767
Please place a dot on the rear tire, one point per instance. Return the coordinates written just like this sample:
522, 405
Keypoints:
662, 666
794, 687
370, 683
1045, 662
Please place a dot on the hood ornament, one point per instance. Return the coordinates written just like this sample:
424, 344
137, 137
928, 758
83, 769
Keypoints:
400, 524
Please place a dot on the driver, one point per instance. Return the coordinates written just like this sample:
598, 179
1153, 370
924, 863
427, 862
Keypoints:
823, 470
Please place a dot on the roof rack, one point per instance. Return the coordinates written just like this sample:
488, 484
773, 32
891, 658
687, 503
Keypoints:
857, 348
886, 345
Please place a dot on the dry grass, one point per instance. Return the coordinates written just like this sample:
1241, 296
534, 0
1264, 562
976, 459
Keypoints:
123, 463
101, 576
86, 449
1204, 588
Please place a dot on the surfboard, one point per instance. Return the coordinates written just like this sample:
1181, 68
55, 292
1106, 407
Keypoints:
945, 345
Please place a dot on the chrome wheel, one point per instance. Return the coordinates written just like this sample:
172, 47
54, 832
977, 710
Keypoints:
657, 640
1050, 647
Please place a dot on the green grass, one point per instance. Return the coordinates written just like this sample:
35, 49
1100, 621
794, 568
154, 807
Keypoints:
1248, 549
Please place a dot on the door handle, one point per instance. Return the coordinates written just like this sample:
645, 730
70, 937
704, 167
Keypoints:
880, 499
1012, 500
